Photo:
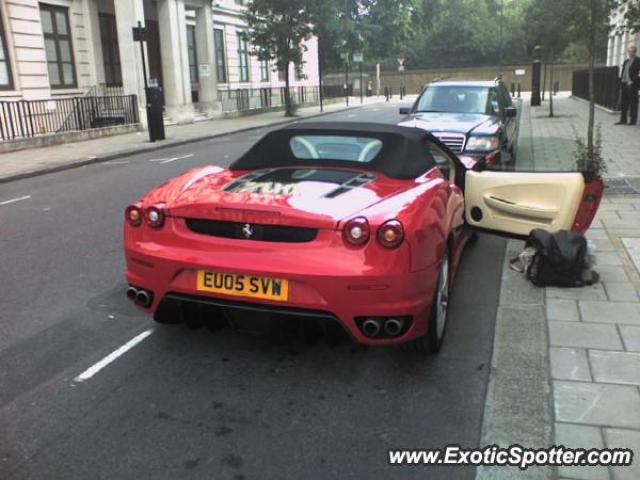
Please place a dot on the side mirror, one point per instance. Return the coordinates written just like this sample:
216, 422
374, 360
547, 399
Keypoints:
511, 112
405, 110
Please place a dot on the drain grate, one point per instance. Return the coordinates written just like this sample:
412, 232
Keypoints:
619, 186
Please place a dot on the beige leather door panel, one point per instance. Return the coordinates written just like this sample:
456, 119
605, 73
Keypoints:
517, 203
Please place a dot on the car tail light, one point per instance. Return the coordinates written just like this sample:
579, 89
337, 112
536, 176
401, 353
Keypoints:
589, 203
391, 234
493, 159
357, 231
133, 214
154, 215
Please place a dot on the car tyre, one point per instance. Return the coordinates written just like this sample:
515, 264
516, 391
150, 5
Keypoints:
432, 341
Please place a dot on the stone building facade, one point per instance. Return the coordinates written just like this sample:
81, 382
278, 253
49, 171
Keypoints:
194, 49
619, 39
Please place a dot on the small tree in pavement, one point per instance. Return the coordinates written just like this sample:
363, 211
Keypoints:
277, 29
590, 26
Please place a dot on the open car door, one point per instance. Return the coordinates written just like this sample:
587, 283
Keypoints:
517, 202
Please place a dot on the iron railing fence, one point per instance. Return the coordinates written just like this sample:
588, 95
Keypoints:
247, 99
336, 91
105, 90
29, 118
606, 86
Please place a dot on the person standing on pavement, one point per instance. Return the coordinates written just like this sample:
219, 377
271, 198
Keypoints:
630, 84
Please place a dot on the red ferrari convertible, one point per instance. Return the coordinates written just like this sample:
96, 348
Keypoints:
359, 224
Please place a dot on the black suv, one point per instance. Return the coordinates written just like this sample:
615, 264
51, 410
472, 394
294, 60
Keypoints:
474, 118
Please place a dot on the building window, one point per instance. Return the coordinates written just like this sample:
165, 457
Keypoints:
281, 75
221, 66
5, 68
110, 50
58, 47
192, 53
243, 57
264, 70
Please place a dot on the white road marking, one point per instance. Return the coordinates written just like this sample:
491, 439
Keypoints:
169, 160
92, 370
13, 200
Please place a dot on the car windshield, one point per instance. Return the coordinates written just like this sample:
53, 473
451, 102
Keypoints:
333, 147
453, 98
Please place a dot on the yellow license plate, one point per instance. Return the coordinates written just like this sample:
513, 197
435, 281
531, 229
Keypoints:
243, 285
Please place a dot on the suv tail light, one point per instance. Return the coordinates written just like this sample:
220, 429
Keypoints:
133, 215
154, 215
391, 234
357, 231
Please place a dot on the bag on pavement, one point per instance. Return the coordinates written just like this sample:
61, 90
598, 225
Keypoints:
557, 259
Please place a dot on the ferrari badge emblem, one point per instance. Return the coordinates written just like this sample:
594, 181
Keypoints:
247, 230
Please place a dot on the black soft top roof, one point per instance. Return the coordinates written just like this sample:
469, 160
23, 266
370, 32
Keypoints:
403, 154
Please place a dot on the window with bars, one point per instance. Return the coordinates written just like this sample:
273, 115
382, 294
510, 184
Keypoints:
110, 50
243, 57
221, 65
58, 46
264, 70
6, 82
192, 53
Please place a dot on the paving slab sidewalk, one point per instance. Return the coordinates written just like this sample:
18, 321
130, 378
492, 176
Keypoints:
37, 160
594, 345
594, 332
587, 369
548, 143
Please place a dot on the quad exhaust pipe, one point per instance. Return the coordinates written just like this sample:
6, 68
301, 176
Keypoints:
371, 327
140, 296
384, 327
131, 293
393, 326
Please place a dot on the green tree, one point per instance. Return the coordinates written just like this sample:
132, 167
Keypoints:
390, 27
631, 16
277, 30
590, 27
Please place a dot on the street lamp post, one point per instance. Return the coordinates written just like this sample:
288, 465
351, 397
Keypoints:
401, 61
535, 76
320, 97
346, 78
359, 58
345, 57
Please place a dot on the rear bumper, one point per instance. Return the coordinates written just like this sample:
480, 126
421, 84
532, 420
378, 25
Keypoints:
339, 283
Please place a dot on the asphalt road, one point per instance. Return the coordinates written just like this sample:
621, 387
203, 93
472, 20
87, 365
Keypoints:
195, 404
